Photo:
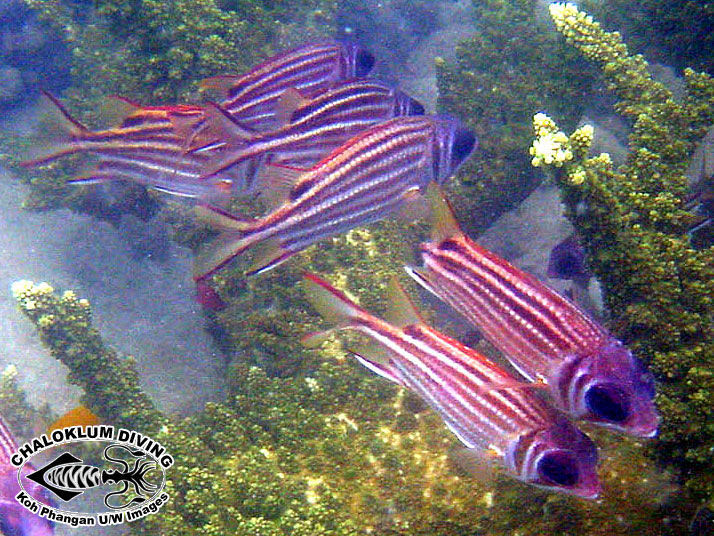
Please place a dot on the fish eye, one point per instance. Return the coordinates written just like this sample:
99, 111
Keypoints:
559, 467
416, 107
608, 402
463, 144
568, 265
364, 61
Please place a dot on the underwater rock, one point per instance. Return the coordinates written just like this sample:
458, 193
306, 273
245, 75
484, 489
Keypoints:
418, 76
608, 133
142, 306
11, 85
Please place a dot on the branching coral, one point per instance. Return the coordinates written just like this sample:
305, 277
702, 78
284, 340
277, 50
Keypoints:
660, 291
110, 383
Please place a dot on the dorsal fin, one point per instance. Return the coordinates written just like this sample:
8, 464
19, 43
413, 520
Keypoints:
400, 309
7, 443
444, 224
277, 182
287, 103
224, 124
114, 109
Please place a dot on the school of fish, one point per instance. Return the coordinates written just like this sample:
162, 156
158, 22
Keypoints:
327, 149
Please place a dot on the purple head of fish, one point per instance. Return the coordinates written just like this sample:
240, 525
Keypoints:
612, 388
406, 105
453, 145
559, 458
15, 520
567, 260
358, 61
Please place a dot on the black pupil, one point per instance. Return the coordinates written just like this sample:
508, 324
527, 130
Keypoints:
607, 402
560, 468
464, 141
568, 266
416, 108
364, 62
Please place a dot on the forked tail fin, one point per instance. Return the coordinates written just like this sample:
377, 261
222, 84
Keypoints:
333, 305
232, 241
59, 133
340, 311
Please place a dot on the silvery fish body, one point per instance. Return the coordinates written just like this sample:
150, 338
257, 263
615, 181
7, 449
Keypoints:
486, 408
310, 69
546, 337
317, 126
369, 177
16, 520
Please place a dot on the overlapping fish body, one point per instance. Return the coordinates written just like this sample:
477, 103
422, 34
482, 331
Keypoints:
147, 148
171, 170
493, 415
369, 177
590, 374
310, 69
316, 126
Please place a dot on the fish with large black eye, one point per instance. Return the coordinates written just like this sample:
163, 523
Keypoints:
546, 337
499, 420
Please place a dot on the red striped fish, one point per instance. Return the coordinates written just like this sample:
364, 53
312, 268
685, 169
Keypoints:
590, 374
371, 176
316, 126
310, 69
146, 148
15, 519
491, 413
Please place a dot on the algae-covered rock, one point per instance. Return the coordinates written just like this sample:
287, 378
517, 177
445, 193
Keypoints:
512, 67
336, 451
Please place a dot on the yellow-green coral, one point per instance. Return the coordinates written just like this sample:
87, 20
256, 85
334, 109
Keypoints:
551, 146
509, 68
110, 383
631, 218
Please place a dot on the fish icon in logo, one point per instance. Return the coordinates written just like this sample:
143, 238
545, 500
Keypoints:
67, 477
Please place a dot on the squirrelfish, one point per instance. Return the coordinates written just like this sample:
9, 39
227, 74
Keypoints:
547, 338
364, 180
492, 414
148, 147
16, 520
310, 69
313, 127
